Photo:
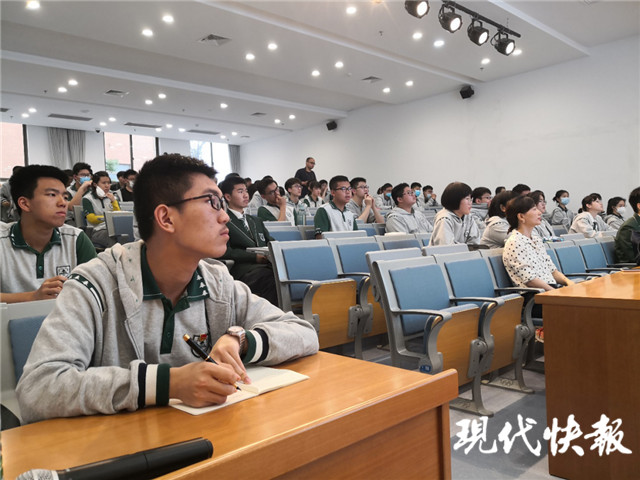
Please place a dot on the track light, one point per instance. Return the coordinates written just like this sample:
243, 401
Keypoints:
450, 20
417, 9
477, 33
503, 43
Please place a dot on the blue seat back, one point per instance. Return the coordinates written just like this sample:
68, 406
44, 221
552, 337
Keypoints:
353, 256
283, 235
499, 272
609, 249
570, 259
420, 287
308, 264
554, 258
369, 228
22, 333
123, 225
594, 255
404, 243
470, 278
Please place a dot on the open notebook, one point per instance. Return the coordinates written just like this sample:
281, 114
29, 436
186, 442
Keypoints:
263, 380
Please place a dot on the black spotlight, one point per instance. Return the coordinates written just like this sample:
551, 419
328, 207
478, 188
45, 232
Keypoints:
450, 20
503, 43
477, 33
417, 9
466, 92
332, 125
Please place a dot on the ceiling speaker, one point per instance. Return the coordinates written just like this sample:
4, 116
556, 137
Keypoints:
332, 125
466, 92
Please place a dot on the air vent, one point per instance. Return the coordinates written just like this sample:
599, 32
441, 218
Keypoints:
216, 40
203, 132
258, 114
141, 125
4, 110
116, 93
371, 79
69, 117
245, 136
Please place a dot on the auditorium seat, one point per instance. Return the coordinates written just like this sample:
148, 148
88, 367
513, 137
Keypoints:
397, 240
439, 249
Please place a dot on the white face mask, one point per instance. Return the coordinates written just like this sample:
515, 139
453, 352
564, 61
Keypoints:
621, 210
100, 193
131, 184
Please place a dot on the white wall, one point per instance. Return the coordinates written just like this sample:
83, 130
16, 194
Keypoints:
573, 126
170, 145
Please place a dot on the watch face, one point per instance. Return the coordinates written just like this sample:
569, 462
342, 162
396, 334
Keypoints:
235, 330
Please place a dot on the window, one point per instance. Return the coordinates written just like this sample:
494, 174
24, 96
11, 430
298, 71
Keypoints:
213, 154
144, 149
122, 152
12, 148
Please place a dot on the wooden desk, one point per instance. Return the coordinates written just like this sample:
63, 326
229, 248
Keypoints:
350, 419
592, 366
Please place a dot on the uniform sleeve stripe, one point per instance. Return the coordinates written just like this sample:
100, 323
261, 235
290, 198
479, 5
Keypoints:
150, 386
264, 341
90, 286
142, 376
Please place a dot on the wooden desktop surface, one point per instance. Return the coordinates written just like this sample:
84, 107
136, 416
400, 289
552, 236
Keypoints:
350, 419
592, 367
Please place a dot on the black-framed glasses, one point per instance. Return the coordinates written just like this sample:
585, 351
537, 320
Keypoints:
214, 200
344, 189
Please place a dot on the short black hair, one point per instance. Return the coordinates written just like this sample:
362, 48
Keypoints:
95, 178
313, 184
453, 195
129, 172
384, 187
415, 185
478, 192
611, 204
500, 200
82, 166
518, 204
291, 182
634, 199
323, 181
356, 180
521, 187
398, 191
333, 183
500, 188
164, 180
25, 181
263, 184
427, 187
121, 173
559, 193
588, 200
597, 195
537, 195
228, 184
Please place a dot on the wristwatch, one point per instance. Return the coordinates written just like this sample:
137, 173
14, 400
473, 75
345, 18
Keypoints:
238, 332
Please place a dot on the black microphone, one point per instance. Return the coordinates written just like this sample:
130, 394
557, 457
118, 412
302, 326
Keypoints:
143, 465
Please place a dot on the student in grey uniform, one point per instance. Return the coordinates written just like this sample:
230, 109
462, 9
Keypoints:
99, 200
497, 228
114, 340
453, 223
544, 230
404, 218
314, 199
334, 216
362, 204
589, 222
383, 197
429, 197
38, 252
481, 199
561, 215
616, 208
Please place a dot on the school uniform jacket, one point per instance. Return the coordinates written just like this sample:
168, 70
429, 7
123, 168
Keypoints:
241, 238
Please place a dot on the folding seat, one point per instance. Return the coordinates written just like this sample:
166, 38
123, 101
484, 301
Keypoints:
572, 263
439, 249
307, 283
423, 238
559, 230
283, 233
572, 236
609, 248
426, 328
397, 240
345, 234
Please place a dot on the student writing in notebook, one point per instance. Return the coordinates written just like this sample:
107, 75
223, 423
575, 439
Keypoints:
113, 341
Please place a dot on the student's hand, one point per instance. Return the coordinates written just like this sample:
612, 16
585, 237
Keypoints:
368, 201
569, 282
261, 258
5, 202
434, 196
50, 288
110, 196
282, 201
84, 188
227, 351
199, 384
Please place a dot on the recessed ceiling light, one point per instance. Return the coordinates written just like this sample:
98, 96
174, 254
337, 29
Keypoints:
223, 105
485, 61
112, 119
351, 10
25, 115
250, 56
147, 32
234, 133
73, 82
316, 73
417, 35
169, 125
62, 89
272, 46
148, 101
438, 43
409, 83
339, 64
223, 136
277, 120
33, 5
167, 18
182, 130
386, 90
162, 96
292, 117
158, 129
103, 124
517, 52
32, 110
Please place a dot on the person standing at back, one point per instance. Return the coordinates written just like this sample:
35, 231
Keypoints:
306, 175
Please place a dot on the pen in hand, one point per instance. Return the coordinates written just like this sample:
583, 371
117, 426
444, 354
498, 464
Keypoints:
202, 354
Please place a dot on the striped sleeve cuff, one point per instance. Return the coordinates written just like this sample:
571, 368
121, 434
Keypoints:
257, 346
153, 384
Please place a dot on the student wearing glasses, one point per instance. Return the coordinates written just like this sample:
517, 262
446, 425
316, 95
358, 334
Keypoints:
113, 341
276, 208
404, 218
334, 216
453, 224
362, 204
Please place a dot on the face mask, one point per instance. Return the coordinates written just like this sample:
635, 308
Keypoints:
388, 194
564, 200
100, 193
427, 195
621, 210
417, 193
84, 179
131, 184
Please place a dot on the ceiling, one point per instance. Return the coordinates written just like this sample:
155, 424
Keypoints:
100, 45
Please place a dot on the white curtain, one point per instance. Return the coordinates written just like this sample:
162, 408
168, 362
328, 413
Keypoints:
77, 140
67, 147
234, 158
